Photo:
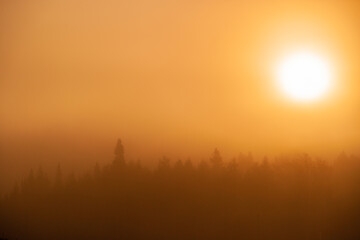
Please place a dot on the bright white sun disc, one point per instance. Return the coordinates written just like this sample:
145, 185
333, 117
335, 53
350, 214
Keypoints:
304, 76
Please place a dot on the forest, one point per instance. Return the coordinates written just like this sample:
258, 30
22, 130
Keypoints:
287, 197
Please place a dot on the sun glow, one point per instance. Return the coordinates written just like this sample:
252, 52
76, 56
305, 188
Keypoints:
304, 76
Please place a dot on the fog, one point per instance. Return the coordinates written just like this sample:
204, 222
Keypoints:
170, 78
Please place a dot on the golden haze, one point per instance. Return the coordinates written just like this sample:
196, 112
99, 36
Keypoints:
173, 78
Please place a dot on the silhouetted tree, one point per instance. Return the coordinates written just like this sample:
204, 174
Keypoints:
216, 159
58, 177
119, 154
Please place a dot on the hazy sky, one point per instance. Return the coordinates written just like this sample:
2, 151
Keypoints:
169, 77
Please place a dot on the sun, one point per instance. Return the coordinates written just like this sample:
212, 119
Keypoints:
304, 76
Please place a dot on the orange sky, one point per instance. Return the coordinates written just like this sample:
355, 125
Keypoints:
169, 77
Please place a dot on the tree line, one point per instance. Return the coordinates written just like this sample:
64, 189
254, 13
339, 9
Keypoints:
290, 197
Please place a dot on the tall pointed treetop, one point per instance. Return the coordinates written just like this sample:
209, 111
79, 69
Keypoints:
119, 152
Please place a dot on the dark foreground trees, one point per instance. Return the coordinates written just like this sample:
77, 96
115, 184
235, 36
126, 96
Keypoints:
288, 198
